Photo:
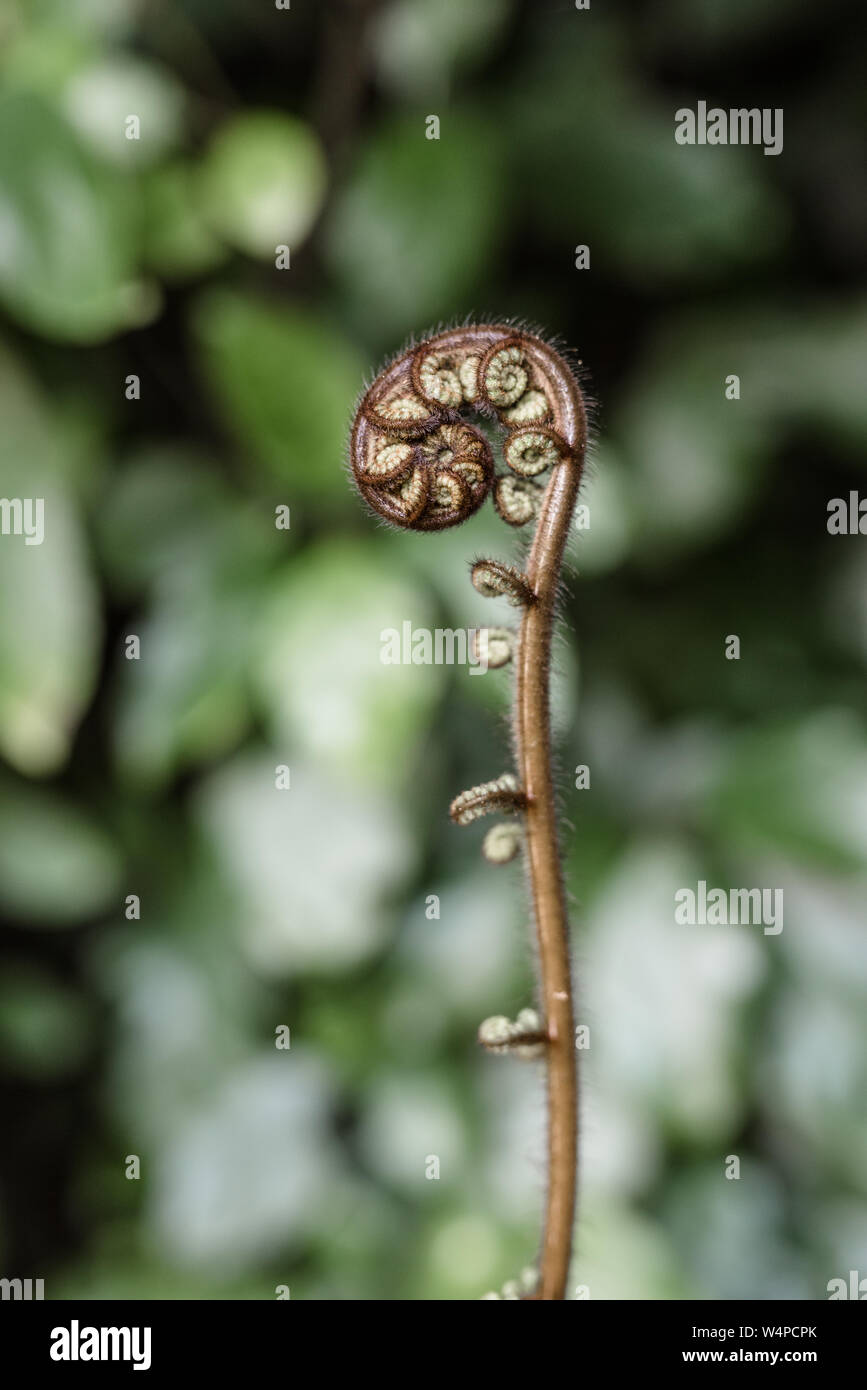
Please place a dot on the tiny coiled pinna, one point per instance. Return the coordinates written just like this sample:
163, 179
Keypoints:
421, 463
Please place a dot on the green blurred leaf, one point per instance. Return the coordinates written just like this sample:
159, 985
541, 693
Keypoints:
100, 18
602, 168
698, 27
310, 868
134, 1276
67, 235
698, 458
286, 383
101, 97
41, 57
168, 518
263, 181
185, 700
421, 45
44, 1026
325, 686
805, 364
171, 526
418, 222
799, 789
56, 866
177, 240
49, 617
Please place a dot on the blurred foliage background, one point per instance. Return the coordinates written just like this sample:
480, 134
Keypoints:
262, 1167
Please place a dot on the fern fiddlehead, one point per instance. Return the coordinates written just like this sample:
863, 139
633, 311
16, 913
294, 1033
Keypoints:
420, 464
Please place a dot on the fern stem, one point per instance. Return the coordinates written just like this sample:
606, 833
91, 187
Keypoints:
533, 740
418, 464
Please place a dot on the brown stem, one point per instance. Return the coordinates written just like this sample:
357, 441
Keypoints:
401, 385
533, 738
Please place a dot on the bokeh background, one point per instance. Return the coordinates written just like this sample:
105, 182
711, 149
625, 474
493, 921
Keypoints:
260, 647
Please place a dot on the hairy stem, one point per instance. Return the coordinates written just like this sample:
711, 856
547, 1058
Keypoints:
418, 464
533, 739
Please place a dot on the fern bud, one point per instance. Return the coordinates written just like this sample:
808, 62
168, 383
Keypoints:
516, 499
468, 373
529, 1279
492, 579
524, 1037
504, 794
502, 843
531, 451
493, 646
401, 414
533, 408
504, 374
436, 377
